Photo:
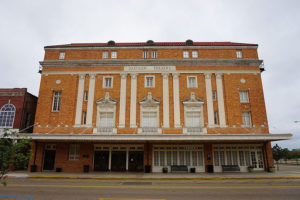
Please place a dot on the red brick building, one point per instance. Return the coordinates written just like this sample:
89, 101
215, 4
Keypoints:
17, 110
195, 106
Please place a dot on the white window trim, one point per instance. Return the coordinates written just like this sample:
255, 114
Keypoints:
13, 121
188, 84
62, 55
114, 56
250, 119
242, 100
112, 82
53, 101
104, 53
239, 54
145, 54
145, 81
152, 54
74, 156
194, 52
184, 55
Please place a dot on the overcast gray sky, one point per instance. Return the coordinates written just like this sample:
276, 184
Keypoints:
28, 26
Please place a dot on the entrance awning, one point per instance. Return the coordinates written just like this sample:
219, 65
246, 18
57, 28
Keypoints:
252, 137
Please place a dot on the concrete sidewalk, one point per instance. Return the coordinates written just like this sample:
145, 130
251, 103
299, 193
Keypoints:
286, 171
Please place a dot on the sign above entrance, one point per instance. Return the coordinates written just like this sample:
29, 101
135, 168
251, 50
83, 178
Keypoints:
149, 68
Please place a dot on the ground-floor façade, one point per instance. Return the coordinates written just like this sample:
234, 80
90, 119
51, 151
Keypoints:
205, 153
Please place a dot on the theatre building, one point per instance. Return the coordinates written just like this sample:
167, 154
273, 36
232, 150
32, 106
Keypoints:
189, 106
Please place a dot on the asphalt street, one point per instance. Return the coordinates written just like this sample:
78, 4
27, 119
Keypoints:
46, 189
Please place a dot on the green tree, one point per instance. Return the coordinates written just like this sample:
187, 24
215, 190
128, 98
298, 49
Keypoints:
279, 153
13, 150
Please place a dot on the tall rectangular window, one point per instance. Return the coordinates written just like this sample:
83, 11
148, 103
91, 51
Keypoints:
84, 117
107, 82
104, 54
145, 54
154, 54
106, 119
246, 117
239, 54
244, 96
56, 101
195, 54
192, 119
185, 54
149, 81
86, 95
113, 54
150, 119
62, 55
214, 95
192, 82
216, 119
74, 152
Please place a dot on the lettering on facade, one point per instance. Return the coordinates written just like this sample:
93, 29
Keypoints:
150, 68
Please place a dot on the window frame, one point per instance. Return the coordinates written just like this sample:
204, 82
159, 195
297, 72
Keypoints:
195, 54
154, 54
214, 95
239, 54
74, 154
153, 81
114, 55
245, 124
13, 118
185, 54
104, 54
188, 82
145, 54
86, 95
104, 82
244, 96
59, 102
216, 118
62, 55
83, 117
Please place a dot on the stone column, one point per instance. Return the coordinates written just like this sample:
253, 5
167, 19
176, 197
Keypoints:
176, 100
79, 99
220, 100
166, 121
209, 101
133, 100
122, 101
89, 114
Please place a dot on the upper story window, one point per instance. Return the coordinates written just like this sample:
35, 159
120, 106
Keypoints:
149, 82
145, 54
106, 119
214, 95
192, 82
216, 118
86, 95
195, 54
7, 116
239, 54
74, 152
62, 55
114, 54
154, 54
104, 54
185, 54
244, 96
84, 117
193, 119
56, 101
246, 118
108, 82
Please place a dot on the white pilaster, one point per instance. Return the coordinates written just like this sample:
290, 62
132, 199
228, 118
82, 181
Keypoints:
166, 121
176, 99
133, 100
79, 99
209, 102
122, 101
220, 100
89, 115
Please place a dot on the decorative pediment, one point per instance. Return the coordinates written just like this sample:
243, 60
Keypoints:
106, 101
193, 101
149, 101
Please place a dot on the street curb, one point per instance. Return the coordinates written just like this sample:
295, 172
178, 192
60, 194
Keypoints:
161, 178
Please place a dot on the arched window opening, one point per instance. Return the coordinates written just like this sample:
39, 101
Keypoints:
7, 116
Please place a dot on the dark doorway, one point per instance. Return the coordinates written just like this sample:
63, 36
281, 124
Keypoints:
118, 160
101, 160
136, 161
49, 160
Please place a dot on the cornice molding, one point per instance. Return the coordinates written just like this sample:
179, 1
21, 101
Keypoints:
153, 62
